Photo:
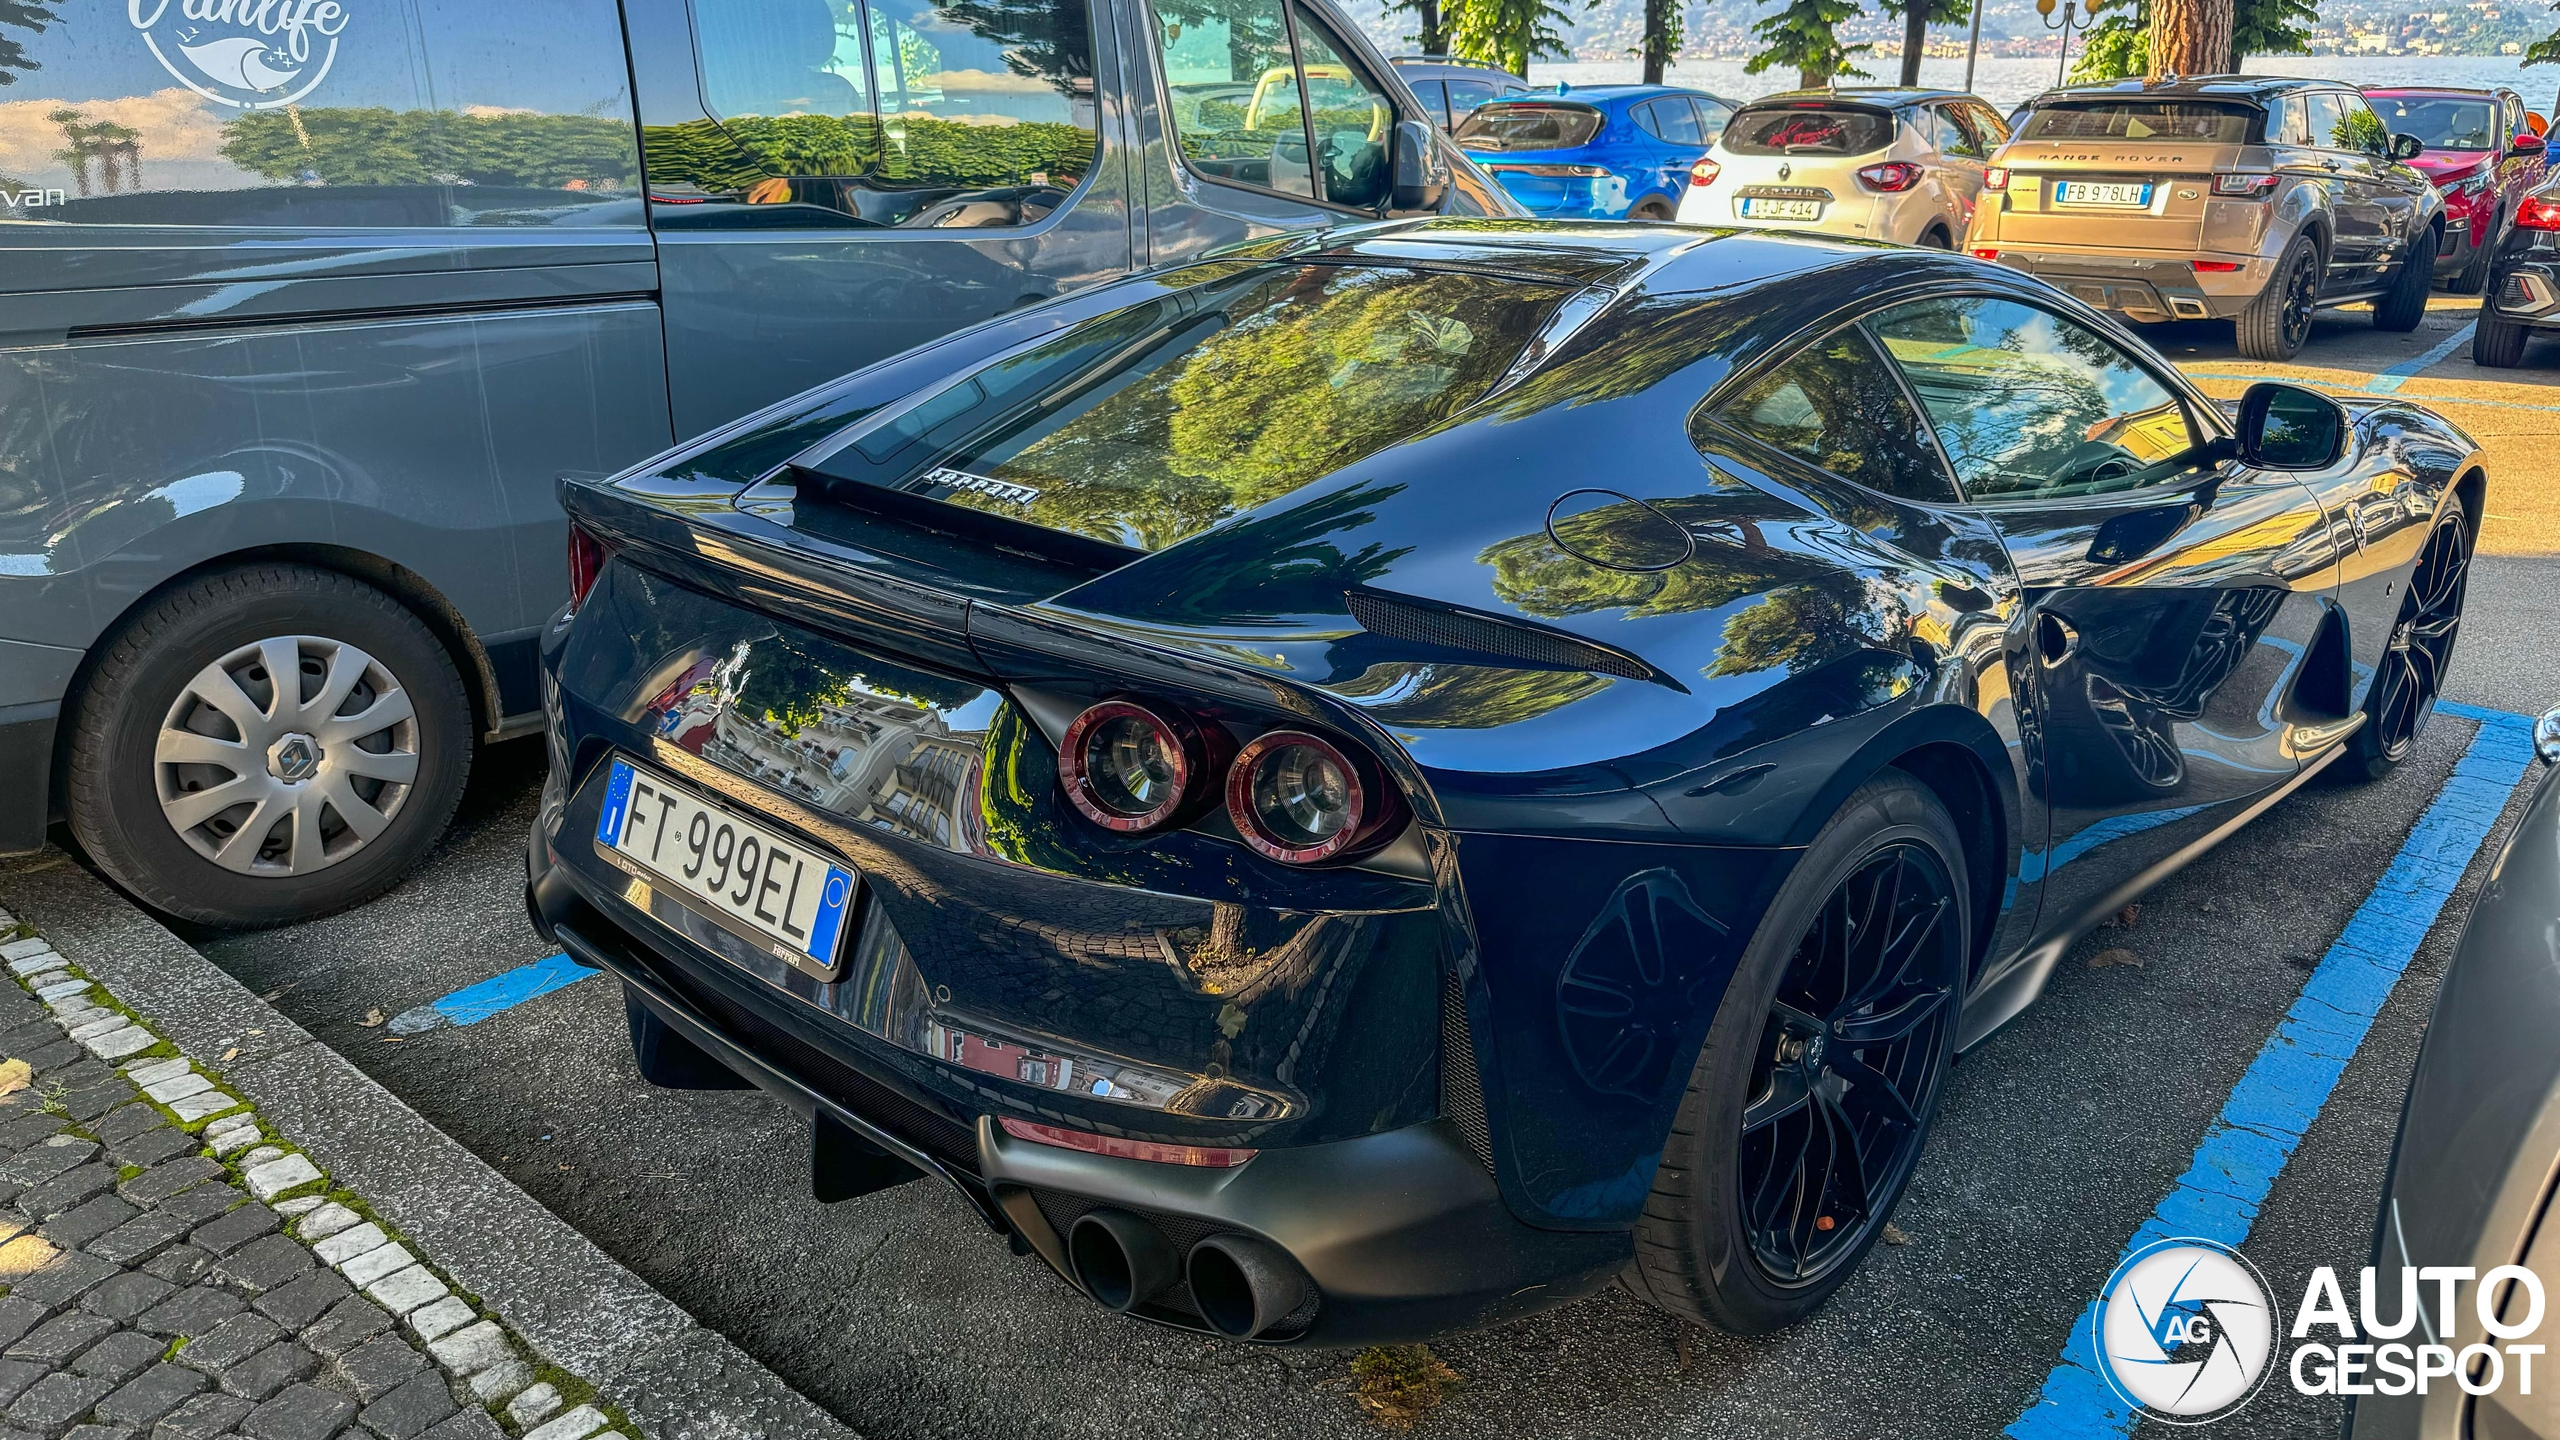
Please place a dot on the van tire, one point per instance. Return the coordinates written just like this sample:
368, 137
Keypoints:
2497, 343
144, 700
2405, 303
2278, 322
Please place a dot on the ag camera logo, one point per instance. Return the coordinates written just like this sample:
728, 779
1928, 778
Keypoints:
2184, 1331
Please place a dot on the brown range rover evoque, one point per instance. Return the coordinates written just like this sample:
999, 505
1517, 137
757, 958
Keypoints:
2251, 199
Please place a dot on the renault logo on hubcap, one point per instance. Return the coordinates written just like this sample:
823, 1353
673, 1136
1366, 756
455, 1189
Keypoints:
294, 758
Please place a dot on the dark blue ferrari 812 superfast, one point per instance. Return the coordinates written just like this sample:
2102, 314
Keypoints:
1382, 780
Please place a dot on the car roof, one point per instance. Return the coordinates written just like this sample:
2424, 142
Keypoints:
2196, 87
1447, 67
1888, 96
2475, 92
1607, 94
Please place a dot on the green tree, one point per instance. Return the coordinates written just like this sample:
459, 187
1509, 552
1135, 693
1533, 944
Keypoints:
2119, 45
1660, 47
29, 15
2270, 27
1430, 35
1805, 34
1509, 33
1917, 17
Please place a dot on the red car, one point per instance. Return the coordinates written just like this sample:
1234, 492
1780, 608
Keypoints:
2482, 152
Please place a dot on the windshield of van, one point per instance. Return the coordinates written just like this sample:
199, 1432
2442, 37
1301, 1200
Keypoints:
1808, 130
1524, 126
2444, 124
2170, 120
1147, 426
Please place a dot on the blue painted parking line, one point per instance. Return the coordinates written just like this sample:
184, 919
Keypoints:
475, 1003
2247, 1145
2398, 375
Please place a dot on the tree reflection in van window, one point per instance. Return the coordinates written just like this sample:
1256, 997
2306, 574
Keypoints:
923, 113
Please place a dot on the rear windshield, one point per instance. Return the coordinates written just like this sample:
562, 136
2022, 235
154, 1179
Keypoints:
2191, 121
1147, 426
2444, 124
1519, 126
1808, 130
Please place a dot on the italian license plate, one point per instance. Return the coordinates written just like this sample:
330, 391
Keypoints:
1763, 207
2123, 197
758, 884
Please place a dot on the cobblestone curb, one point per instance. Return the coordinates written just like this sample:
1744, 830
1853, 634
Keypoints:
172, 1264
493, 1246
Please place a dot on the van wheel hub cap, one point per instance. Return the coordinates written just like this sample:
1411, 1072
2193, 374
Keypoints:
286, 756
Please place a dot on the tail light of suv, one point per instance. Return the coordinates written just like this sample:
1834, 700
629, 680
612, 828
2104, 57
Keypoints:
1996, 178
2539, 212
2245, 187
1890, 177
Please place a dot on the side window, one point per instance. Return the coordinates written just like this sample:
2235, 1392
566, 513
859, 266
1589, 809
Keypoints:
924, 113
2515, 122
2027, 403
2288, 122
1674, 121
1947, 132
429, 114
1836, 405
1435, 98
2364, 127
1465, 95
1989, 129
1352, 120
1712, 119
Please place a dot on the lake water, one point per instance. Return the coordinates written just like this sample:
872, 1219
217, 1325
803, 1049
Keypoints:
2006, 80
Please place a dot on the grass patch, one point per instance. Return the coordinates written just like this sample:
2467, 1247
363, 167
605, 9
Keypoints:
174, 1347
1397, 1385
128, 1172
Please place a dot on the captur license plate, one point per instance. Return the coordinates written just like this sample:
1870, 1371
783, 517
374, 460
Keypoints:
2084, 192
755, 882
1762, 207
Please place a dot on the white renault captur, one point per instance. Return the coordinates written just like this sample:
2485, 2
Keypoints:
1880, 164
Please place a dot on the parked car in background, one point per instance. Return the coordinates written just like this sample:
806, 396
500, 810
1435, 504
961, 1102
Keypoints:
1392, 779
2521, 297
2483, 155
1881, 164
1453, 87
1605, 152
2471, 1184
294, 357
2253, 200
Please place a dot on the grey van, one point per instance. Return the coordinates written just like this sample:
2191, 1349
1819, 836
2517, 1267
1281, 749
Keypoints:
305, 306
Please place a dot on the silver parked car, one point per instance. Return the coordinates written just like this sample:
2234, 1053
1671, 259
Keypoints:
2472, 1173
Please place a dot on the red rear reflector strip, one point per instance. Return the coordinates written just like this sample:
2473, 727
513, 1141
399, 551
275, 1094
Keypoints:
1983, 254
2217, 267
1210, 1156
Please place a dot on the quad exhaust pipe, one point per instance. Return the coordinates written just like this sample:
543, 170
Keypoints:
1242, 1286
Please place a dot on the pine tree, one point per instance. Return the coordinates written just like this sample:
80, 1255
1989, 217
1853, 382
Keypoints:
1508, 33
1917, 17
1660, 48
31, 15
1805, 34
2190, 37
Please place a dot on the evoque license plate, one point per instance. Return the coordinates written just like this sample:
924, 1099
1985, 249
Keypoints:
755, 882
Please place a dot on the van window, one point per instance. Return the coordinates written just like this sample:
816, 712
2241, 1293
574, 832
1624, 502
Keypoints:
1808, 130
434, 113
1241, 98
942, 114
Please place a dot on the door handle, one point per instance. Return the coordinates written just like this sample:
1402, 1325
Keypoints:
2056, 640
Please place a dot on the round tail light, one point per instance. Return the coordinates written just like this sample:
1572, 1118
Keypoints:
1128, 768
1299, 799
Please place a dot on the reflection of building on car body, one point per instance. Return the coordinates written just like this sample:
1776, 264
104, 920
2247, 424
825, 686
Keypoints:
2230, 197
1882, 164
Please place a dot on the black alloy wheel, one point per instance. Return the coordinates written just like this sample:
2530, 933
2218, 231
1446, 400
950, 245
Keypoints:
1819, 1073
2278, 323
2412, 672
1851, 1056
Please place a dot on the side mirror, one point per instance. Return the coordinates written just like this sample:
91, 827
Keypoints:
2407, 147
2526, 145
2286, 427
1421, 172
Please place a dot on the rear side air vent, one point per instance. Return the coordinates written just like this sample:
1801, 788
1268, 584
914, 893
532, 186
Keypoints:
1461, 1088
1486, 635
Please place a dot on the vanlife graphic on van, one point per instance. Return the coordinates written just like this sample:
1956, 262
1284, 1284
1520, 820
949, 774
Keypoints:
250, 54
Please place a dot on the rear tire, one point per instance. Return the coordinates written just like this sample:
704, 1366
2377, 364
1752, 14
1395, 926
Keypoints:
2278, 322
336, 801
2497, 343
1705, 1243
1936, 238
2405, 303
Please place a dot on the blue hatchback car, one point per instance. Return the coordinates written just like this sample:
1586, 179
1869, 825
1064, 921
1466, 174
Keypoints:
1609, 152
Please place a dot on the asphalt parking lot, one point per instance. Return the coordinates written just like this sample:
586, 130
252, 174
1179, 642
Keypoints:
901, 1314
